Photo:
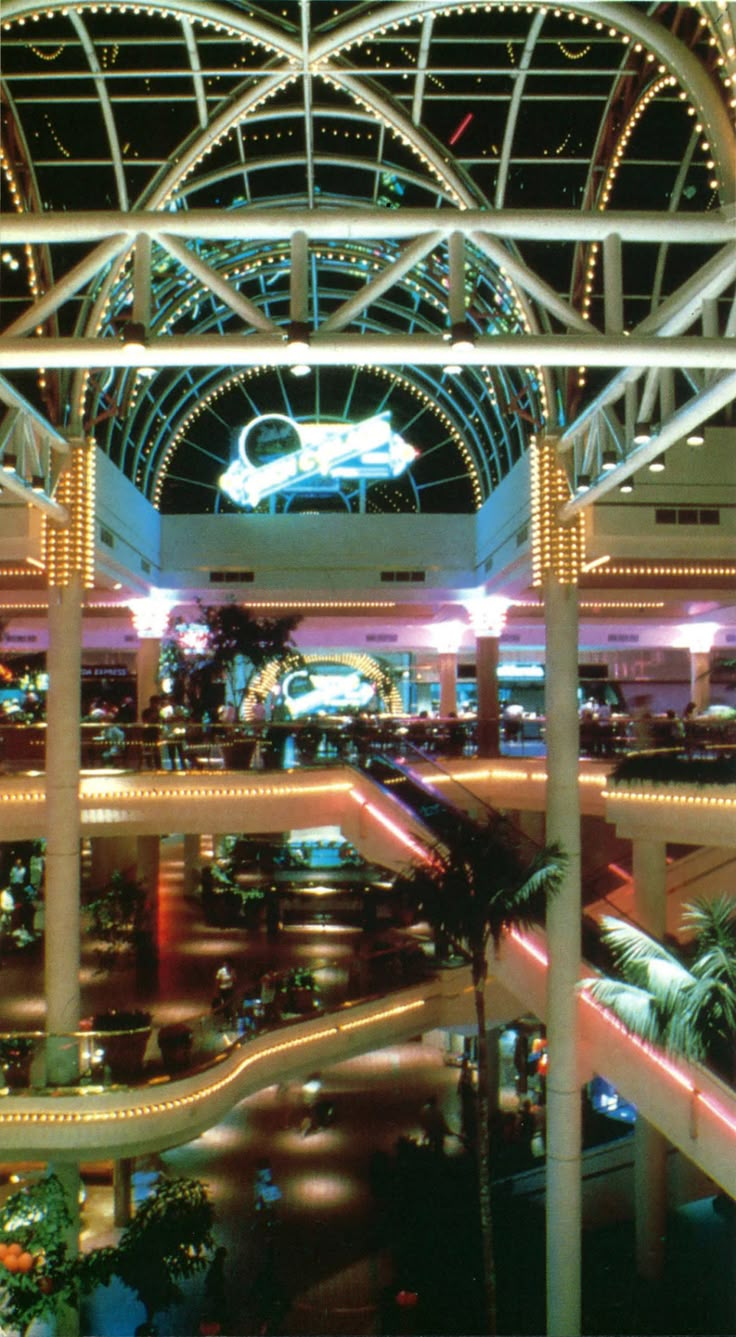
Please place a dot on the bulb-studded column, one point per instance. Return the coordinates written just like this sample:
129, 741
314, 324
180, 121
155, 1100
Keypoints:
557, 553
563, 938
62, 807
70, 567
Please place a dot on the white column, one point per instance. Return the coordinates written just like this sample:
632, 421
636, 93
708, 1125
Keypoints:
112, 854
487, 613
698, 638
62, 951
650, 1147
192, 863
486, 674
650, 885
122, 1170
448, 683
563, 939
146, 668
67, 1172
150, 619
700, 679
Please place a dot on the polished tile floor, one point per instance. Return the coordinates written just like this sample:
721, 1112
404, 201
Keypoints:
345, 1242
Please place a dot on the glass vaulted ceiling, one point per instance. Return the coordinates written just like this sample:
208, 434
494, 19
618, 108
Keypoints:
225, 106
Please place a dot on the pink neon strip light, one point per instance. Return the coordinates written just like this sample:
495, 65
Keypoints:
611, 1019
531, 948
396, 830
652, 1054
716, 1110
465, 122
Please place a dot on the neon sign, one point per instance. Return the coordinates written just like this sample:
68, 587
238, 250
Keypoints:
276, 454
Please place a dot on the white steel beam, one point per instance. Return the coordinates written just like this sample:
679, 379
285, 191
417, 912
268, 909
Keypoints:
410, 256
248, 312
703, 229
66, 287
387, 350
717, 395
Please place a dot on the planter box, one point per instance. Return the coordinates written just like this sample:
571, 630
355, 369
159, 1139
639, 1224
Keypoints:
176, 1043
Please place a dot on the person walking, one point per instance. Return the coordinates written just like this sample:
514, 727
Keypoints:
434, 1126
225, 997
468, 1103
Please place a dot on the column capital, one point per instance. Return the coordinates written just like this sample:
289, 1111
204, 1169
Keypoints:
697, 637
487, 613
151, 614
447, 636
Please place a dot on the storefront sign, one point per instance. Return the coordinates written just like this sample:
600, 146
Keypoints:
276, 454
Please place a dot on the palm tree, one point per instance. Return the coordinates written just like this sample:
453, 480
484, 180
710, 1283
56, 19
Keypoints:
688, 1009
472, 890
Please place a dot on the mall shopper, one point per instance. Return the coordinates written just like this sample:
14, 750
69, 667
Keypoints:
434, 1126
225, 996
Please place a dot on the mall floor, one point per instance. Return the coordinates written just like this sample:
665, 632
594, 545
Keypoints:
364, 1214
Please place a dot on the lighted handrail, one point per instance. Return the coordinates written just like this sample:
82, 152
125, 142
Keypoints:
212, 1041
454, 809
713, 764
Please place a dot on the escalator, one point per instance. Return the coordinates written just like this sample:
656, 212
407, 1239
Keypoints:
444, 820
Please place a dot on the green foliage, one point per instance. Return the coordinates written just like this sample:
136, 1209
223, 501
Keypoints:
236, 641
169, 1238
118, 919
688, 1008
480, 882
476, 888
670, 767
300, 977
37, 1217
121, 1019
13, 1048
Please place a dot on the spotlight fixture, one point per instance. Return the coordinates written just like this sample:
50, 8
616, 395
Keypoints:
38, 483
657, 465
10, 462
642, 433
609, 460
297, 337
627, 485
461, 338
696, 437
133, 336
583, 483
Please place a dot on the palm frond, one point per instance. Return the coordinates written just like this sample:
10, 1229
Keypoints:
633, 1006
712, 920
635, 952
668, 981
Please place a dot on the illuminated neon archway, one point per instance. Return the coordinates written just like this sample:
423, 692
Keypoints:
369, 668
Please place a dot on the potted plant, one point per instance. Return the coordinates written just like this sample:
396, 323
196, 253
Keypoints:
300, 990
16, 1052
119, 920
251, 905
168, 1240
125, 1035
176, 1042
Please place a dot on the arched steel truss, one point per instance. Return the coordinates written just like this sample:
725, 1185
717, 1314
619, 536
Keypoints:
173, 251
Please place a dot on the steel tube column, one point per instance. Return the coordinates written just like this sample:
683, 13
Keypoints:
62, 955
700, 679
67, 1172
650, 1147
147, 659
486, 673
447, 663
563, 937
